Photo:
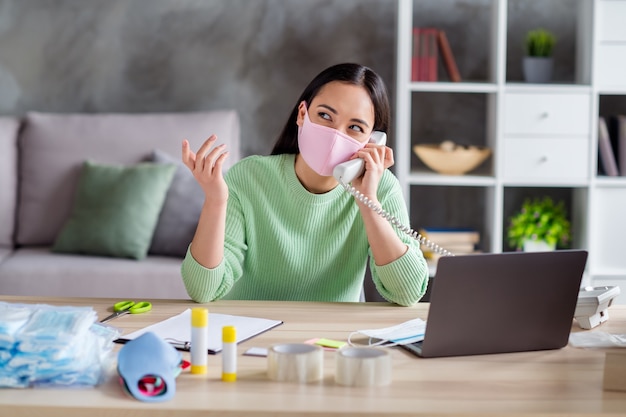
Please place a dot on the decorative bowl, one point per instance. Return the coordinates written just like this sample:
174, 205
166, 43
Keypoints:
449, 158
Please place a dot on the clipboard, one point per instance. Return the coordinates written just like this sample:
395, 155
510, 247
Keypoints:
177, 329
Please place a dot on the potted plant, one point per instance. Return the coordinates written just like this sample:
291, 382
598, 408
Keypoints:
540, 224
538, 61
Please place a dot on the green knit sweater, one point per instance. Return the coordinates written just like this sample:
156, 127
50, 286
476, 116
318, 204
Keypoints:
285, 243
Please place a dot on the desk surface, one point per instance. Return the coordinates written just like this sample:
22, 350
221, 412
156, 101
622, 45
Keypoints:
566, 381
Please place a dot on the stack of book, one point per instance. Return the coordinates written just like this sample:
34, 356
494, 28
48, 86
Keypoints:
428, 43
612, 146
459, 241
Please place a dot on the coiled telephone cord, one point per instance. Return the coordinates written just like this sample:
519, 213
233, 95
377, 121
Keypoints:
394, 221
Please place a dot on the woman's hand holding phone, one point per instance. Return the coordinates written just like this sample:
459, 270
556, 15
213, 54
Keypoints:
377, 158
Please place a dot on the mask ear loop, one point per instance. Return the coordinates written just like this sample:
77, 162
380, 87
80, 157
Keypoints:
381, 342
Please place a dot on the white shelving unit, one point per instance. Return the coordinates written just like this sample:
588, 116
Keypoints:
543, 136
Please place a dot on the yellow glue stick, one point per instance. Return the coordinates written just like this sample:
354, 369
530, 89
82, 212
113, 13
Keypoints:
199, 340
229, 354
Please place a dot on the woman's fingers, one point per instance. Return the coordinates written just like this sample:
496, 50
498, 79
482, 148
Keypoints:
373, 154
210, 161
189, 158
219, 162
206, 167
204, 148
382, 154
207, 158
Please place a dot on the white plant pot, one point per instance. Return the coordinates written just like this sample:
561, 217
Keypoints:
537, 246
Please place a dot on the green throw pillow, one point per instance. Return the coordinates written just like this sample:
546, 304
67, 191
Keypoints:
115, 210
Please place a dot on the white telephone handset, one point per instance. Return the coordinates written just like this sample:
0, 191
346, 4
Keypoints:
348, 171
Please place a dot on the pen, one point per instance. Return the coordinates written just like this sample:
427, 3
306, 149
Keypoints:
181, 345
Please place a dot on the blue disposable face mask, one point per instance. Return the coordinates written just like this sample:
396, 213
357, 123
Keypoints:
148, 367
402, 334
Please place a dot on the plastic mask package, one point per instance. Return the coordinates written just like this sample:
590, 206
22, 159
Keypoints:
401, 334
43, 345
597, 340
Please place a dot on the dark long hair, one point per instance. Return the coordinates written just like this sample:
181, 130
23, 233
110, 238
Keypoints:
355, 74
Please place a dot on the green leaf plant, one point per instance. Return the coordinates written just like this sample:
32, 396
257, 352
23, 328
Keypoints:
540, 220
539, 43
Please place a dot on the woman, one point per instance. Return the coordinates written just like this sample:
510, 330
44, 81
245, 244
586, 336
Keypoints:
280, 227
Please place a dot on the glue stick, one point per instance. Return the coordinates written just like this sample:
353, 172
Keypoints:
229, 354
199, 340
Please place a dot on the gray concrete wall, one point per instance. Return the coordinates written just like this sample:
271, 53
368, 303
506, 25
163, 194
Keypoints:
252, 55
177, 55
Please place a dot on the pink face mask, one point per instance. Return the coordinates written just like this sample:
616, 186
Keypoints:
323, 147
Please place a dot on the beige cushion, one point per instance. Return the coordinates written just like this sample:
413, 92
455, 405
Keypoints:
89, 276
8, 178
53, 148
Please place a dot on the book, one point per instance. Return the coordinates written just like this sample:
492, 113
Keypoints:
613, 129
415, 64
459, 248
424, 56
451, 236
448, 57
618, 142
431, 54
177, 329
607, 157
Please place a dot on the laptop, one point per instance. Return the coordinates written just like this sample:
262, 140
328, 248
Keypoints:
501, 302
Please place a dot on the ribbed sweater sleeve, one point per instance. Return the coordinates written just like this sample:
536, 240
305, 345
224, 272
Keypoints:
284, 243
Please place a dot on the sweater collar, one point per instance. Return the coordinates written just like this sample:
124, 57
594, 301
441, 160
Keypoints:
298, 190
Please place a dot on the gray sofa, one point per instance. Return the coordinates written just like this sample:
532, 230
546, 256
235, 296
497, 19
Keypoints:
41, 161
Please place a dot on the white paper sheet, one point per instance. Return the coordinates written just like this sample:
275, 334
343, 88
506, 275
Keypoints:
177, 329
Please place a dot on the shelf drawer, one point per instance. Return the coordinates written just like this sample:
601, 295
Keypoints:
546, 114
611, 19
611, 65
546, 159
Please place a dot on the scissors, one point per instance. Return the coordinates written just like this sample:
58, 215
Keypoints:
128, 307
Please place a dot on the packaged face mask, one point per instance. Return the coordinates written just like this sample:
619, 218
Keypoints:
12, 319
401, 334
43, 345
52, 328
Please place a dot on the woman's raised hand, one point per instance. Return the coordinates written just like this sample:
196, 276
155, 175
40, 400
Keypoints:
206, 166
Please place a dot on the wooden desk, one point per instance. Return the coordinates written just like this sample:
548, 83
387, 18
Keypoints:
563, 382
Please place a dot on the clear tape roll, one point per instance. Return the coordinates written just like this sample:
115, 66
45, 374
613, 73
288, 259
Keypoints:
362, 367
295, 362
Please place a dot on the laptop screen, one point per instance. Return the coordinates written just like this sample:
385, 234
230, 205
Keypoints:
504, 302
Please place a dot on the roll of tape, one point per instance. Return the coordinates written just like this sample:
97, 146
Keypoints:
362, 367
295, 362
